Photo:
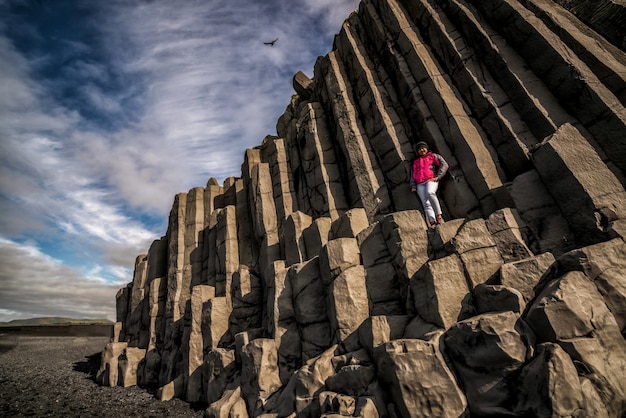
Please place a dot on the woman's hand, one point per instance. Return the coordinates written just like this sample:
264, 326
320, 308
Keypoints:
413, 189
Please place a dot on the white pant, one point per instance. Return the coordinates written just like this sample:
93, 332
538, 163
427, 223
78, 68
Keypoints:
427, 193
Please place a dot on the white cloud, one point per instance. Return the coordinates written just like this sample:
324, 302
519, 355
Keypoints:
173, 93
334, 11
33, 284
213, 84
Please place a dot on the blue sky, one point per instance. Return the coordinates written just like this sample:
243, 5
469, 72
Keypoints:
110, 108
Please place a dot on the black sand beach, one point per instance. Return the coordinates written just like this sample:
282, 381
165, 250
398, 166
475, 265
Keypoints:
51, 374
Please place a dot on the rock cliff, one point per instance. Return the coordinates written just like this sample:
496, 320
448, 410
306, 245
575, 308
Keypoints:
311, 285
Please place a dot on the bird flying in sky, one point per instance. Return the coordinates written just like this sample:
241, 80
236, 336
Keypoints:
271, 43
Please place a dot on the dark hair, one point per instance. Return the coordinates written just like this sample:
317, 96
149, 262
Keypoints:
422, 144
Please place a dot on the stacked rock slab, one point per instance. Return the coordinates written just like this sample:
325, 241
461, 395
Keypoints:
312, 286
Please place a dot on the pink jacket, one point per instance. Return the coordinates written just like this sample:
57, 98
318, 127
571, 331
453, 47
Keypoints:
427, 167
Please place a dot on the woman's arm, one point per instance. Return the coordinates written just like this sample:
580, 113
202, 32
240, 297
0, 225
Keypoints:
443, 166
412, 182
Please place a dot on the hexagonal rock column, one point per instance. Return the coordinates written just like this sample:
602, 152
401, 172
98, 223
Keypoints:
347, 302
571, 312
418, 379
219, 367
438, 291
259, 373
109, 364
247, 300
605, 265
549, 386
281, 322
309, 301
486, 350
199, 296
587, 192
129, 365
293, 239
478, 251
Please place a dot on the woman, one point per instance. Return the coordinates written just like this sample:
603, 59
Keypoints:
427, 169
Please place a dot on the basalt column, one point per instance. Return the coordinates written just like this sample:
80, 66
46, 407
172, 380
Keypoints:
311, 285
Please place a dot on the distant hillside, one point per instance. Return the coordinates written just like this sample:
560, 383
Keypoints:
54, 321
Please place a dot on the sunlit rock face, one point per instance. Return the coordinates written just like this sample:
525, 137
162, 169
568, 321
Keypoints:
311, 284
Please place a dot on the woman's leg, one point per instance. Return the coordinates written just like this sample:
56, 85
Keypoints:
422, 192
431, 191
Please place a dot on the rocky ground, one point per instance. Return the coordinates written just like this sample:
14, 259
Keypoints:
49, 376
